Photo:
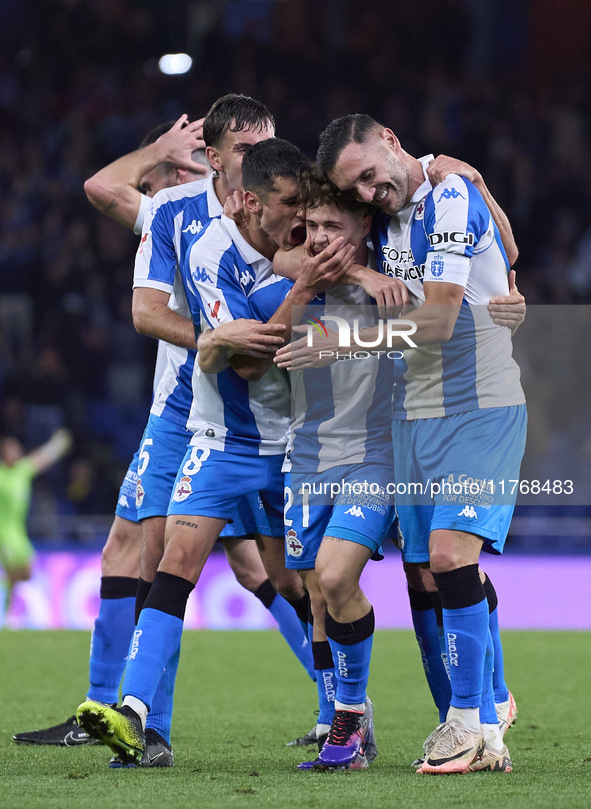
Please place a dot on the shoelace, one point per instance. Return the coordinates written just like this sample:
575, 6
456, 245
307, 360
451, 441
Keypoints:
344, 724
450, 736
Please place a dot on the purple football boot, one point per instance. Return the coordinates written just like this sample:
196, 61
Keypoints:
344, 742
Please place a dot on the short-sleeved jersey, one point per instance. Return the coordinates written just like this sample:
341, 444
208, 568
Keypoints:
230, 413
342, 412
175, 218
447, 234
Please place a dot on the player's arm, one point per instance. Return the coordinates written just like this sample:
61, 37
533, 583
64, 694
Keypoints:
443, 165
387, 291
114, 189
243, 336
48, 454
317, 273
153, 318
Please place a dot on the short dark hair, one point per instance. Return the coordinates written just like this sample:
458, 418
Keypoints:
233, 113
153, 135
269, 160
338, 134
318, 190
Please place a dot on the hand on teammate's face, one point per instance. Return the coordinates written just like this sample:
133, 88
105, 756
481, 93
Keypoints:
321, 272
234, 208
179, 143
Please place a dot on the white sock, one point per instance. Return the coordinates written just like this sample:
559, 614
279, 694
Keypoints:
138, 706
341, 706
493, 736
467, 716
321, 730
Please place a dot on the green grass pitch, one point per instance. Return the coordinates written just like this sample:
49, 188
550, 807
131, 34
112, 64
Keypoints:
241, 696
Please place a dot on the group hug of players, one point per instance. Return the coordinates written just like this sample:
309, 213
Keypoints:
276, 429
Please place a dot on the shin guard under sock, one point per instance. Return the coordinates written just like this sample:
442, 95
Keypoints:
157, 637
427, 633
351, 645
465, 621
111, 635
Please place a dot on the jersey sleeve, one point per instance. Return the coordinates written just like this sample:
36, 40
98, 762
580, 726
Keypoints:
141, 214
456, 219
214, 293
156, 259
266, 298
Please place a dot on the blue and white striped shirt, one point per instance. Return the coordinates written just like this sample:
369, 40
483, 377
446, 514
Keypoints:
447, 234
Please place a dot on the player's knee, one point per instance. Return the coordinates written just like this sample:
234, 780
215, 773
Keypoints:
246, 578
336, 588
443, 559
289, 585
419, 576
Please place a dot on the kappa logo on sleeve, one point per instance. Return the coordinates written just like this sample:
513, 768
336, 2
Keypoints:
468, 511
194, 228
450, 193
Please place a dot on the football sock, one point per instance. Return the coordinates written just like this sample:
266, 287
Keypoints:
488, 712
157, 637
160, 716
143, 588
325, 680
436, 602
467, 716
424, 621
499, 684
351, 644
465, 621
111, 635
289, 624
302, 609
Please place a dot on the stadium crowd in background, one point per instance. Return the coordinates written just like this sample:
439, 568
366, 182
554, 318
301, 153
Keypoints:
69, 354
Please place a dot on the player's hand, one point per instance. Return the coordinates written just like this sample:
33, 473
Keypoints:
438, 169
390, 294
234, 208
508, 310
322, 272
298, 356
251, 337
178, 144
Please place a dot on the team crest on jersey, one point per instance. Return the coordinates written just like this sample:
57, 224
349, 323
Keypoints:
183, 489
437, 266
420, 211
292, 543
139, 494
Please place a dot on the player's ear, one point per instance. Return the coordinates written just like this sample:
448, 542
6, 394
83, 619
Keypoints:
214, 158
367, 220
252, 203
390, 139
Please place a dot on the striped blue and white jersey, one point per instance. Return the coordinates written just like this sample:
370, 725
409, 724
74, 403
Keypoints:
175, 218
342, 413
447, 234
230, 413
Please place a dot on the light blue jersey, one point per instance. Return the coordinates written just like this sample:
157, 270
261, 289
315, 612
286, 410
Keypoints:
447, 234
230, 413
175, 217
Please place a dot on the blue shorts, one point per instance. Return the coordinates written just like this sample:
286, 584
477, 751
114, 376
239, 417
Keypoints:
460, 466
161, 453
346, 502
127, 493
212, 483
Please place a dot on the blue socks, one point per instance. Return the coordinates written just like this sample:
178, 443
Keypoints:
160, 716
325, 680
424, 619
465, 621
157, 639
499, 685
351, 645
289, 624
111, 635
